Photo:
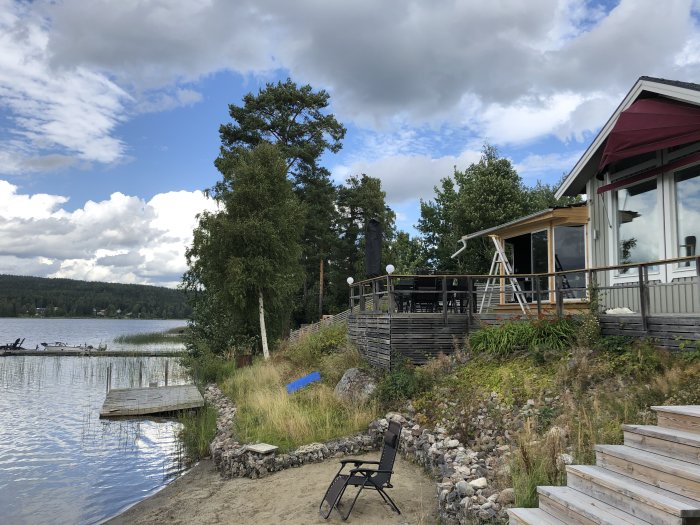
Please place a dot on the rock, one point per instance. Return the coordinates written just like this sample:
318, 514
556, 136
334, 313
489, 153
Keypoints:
506, 497
355, 386
479, 483
451, 443
566, 459
464, 489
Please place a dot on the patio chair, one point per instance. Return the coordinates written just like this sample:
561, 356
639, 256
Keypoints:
377, 478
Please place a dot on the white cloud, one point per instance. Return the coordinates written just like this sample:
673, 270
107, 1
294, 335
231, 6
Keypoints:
534, 167
121, 239
513, 71
70, 111
409, 177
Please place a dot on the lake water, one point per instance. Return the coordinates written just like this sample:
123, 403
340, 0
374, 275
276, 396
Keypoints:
60, 463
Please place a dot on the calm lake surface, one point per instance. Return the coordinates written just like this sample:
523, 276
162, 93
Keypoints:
59, 463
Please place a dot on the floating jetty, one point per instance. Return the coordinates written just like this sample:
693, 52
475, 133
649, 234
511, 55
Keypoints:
149, 401
94, 353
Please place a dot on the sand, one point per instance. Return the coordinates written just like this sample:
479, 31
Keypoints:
292, 496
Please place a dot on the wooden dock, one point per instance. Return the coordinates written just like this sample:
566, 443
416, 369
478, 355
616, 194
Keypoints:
94, 353
147, 401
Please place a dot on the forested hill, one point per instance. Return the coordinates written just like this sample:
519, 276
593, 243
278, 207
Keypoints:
31, 296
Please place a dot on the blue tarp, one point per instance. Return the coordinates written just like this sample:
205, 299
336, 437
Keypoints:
303, 381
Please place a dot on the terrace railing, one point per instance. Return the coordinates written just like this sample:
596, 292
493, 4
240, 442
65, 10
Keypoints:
656, 287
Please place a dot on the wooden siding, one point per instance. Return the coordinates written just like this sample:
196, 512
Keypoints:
418, 336
371, 332
678, 297
673, 332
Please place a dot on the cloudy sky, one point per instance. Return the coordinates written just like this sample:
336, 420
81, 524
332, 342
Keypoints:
109, 111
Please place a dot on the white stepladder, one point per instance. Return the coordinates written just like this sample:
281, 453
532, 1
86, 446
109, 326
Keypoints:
500, 259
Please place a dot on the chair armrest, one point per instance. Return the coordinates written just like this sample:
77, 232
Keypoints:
371, 471
358, 462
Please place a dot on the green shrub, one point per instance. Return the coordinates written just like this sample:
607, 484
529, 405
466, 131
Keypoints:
206, 367
519, 336
402, 382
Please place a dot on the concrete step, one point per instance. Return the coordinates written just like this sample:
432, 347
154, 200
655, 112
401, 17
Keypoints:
671, 442
634, 497
574, 507
679, 477
532, 517
681, 417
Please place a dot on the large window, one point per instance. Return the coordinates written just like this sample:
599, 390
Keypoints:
687, 186
570, 254
639, 225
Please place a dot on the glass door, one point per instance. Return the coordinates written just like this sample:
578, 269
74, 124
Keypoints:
540, 263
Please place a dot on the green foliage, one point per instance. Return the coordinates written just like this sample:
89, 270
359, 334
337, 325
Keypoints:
402, 382
206, 366
198, 429
487, 193
251, 246
406, 254
289, 116
519, 336
359, 200
21, 296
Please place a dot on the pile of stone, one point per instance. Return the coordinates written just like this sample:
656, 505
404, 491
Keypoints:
238, 460
466, 490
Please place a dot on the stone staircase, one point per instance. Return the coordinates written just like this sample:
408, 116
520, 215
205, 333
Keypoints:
654, 478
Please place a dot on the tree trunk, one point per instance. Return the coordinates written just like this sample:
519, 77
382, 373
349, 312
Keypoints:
263, 332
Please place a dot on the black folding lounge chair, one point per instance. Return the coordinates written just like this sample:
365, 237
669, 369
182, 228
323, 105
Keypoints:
378, 478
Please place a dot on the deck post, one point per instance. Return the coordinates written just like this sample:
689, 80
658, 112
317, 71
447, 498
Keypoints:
471, 303
539, 296
643, 297
444, 299
375, 295
697, 274
390, 294
559, 296
361, 288
109, 377
166, 372
140, 373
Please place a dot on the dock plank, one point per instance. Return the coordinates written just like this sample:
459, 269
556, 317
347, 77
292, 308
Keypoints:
145, 401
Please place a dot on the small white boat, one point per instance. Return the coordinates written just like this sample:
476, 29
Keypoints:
58, 346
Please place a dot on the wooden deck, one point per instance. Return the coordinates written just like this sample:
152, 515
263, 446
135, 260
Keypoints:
146, 401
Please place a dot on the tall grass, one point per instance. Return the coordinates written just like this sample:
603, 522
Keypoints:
198, 429
536, 461
267, 413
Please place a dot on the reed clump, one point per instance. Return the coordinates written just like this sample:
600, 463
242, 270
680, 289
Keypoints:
174, 335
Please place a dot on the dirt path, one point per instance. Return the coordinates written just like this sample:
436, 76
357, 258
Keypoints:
291, 497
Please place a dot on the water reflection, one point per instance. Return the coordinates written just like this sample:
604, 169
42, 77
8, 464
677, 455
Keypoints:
59, 463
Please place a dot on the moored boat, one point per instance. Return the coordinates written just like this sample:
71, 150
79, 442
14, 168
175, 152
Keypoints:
58, 346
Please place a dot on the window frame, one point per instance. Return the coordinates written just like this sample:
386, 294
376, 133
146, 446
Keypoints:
668, 206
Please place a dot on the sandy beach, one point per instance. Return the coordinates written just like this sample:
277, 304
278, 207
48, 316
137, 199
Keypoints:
292, 496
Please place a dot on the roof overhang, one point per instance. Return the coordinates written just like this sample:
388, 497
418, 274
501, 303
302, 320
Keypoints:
587, 166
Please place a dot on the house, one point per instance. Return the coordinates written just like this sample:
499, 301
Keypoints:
641, 178
633, 241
